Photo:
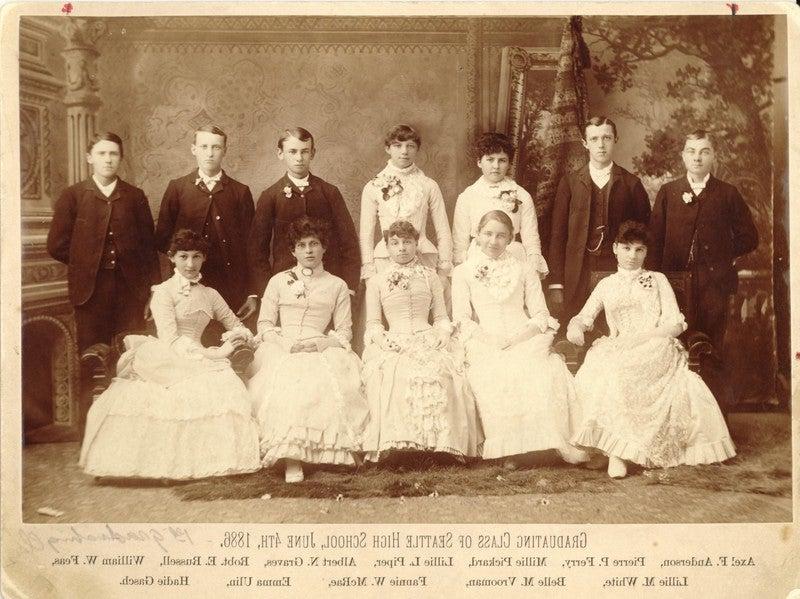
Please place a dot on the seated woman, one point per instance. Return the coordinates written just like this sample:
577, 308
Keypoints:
525, 393
176, 409
640, 401
306, 386
418, 398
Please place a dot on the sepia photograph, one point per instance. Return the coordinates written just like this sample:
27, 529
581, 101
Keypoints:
398, 268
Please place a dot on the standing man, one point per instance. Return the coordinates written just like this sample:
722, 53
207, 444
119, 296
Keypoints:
590, 205
702, 224
296, 194
218, 207
102, 229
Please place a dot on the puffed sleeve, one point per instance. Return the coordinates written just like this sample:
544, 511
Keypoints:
462, 307
535, 302
585, 318
670, 312
461, 228
342, 317
366, 229
529, 233
444, 239
373, 308
438, 306
268, 314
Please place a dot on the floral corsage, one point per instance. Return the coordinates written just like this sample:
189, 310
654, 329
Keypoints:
688, 196
287, 191
645, 280
389, 185
509, 198
296, 286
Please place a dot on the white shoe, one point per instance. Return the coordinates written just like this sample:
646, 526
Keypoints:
294, 471
616, 467
573, 455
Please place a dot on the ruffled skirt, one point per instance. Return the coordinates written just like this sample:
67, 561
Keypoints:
525, 395
309, 406
418, 399
166, 416
645, 405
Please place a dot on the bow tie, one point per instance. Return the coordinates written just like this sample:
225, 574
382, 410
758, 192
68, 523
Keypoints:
208, 182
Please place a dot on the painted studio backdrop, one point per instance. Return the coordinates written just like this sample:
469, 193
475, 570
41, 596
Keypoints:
347, 80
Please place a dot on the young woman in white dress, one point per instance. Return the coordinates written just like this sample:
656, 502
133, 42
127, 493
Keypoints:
495, 190
306, 382
640, 401
401, 191
419, 398
175, 410
525, 394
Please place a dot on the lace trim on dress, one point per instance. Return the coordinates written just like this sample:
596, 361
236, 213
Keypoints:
500, 275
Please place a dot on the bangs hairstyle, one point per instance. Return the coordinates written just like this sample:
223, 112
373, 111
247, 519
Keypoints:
598, 121
632, 231
402, 229
402, 132
299, 133
494, 143
211, 129
186, 240
308, 227
497, 216
105, 136
700, 134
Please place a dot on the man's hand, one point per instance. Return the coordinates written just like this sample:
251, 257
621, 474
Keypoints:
247, 309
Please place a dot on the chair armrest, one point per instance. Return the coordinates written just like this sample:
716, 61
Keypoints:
240, 358
699, 347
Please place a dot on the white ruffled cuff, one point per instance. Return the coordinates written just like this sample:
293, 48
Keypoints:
341, 338
465, 329
539, 264
584, 323
443, 324
373, 333
543, 321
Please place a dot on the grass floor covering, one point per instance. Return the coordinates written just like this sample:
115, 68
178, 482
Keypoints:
762, 465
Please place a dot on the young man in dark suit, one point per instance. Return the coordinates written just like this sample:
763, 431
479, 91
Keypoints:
299, 193
218, 207
102, 229
702, 224
590, 205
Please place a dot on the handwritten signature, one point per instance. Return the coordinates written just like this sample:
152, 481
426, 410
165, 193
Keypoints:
82, 535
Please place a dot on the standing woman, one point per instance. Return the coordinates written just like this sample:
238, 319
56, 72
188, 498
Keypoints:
176, 409
525, 394
401, 191
641, 403
418, 396
306, 386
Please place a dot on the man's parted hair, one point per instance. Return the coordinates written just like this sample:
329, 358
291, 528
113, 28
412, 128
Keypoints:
299, 133
700, 134
598, 121
211, 129
105, 136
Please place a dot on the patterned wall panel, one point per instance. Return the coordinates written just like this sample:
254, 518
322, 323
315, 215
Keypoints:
347, 95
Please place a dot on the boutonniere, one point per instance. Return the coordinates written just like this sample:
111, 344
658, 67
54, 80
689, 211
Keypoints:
389, 185
287, 191
688, 196
509, 197
296, 286
645, 280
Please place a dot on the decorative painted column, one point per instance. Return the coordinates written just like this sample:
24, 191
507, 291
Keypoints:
81, 99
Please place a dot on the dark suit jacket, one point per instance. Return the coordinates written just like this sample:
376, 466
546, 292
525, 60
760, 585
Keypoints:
725, 230
77, 236
268, 247
569, 232
186, 206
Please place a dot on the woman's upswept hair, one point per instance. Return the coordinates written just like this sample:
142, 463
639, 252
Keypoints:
186, 240
499, 216
632, 231
308, 227
402, 229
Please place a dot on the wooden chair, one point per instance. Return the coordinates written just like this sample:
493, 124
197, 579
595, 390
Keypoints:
696, 342
99, 364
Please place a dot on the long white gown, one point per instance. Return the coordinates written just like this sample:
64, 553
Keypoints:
525, 394
171, 412
418, 395
309, 406
643, 404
